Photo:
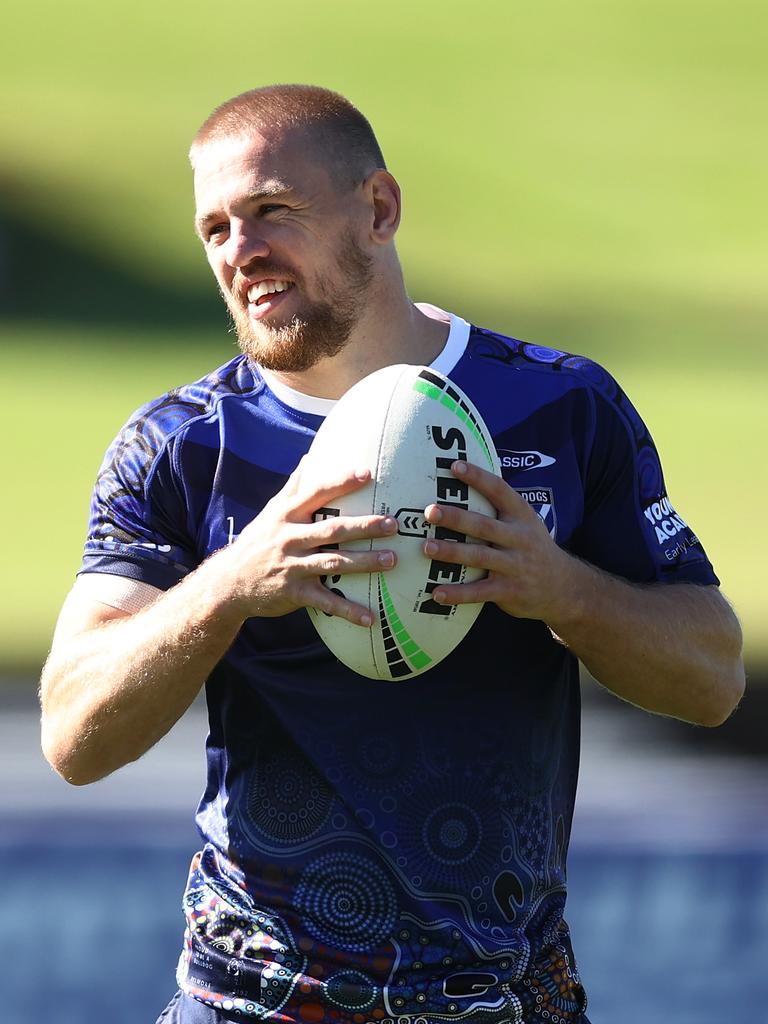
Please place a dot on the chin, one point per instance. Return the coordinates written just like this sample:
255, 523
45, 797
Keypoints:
285, 350
293, 347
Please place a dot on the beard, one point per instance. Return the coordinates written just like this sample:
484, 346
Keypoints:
320, 329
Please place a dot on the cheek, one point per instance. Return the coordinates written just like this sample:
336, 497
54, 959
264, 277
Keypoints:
222, 271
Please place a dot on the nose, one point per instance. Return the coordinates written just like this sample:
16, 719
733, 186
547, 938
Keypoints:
244, 244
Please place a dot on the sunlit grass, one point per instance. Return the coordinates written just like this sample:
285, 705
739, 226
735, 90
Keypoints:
586, 175
73, 390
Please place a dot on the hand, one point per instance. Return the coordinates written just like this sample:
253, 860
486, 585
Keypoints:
278, 559
529, 576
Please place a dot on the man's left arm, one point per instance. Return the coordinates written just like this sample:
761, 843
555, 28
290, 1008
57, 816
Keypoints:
674, 649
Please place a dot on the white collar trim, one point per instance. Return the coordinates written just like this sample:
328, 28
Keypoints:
452, 351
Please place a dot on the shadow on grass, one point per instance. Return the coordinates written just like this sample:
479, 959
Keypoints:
43, 277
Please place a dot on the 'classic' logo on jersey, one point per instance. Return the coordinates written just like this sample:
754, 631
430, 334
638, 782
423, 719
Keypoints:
542, 501
523, 461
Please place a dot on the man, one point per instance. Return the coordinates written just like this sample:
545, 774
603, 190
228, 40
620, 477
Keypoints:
371, 851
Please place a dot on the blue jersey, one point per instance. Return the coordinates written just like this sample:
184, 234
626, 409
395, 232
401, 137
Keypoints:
376, 851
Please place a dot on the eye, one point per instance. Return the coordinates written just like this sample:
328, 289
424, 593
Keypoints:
271, 208
214, 230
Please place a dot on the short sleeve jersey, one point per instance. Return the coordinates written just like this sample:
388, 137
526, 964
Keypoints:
380, 851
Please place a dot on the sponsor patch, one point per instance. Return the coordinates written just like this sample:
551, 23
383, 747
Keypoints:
523, 461
542, 501
666, 523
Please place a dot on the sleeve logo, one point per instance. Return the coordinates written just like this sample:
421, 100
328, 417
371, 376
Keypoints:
665, 521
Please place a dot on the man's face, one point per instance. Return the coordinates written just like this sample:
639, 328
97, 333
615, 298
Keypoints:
283, 242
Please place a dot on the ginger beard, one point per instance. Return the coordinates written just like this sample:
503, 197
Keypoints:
320, 328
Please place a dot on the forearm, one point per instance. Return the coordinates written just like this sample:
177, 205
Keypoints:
110, 693
110, 690
672, 649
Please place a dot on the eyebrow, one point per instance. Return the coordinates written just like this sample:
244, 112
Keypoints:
268, 191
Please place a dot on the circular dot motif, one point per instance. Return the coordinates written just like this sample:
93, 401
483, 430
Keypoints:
594, 373
649, 471
346, 902
351, 990
451, 839
540, 354
287, 801
452, 833
378, 756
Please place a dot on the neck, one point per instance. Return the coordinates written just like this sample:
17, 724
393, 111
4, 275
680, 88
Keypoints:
390, 330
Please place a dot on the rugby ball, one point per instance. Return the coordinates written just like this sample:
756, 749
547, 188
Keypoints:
407, 424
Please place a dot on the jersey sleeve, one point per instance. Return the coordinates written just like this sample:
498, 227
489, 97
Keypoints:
630, 526
138, 524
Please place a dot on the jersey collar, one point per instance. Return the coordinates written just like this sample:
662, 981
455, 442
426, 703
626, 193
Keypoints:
451, 353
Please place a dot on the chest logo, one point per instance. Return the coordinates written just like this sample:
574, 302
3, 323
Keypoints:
523, 461
542, 501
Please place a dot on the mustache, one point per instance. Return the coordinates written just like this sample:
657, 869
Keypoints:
241, 284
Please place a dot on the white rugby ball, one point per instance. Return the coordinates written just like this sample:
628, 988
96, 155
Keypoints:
407, 424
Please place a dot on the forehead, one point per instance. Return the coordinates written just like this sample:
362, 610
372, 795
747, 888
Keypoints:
228, 170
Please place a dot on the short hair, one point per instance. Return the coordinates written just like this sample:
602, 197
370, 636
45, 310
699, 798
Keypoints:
341, 133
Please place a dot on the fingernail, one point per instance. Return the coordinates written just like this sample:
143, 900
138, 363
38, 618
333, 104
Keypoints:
389, 525
460, 468
362, 474
386, 558
431, 547
435, 513
438, 595
366, 619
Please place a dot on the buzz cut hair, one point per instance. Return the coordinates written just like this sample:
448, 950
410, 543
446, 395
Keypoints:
340, 134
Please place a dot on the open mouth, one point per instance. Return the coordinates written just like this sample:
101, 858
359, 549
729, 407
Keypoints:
265, 296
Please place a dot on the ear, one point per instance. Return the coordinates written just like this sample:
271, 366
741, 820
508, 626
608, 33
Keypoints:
383, 194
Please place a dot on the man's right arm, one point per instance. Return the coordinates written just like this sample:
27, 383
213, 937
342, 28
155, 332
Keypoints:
115, 683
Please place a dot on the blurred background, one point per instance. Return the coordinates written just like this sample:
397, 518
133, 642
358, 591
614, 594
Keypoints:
589, 176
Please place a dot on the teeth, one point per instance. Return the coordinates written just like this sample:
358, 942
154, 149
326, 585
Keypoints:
256, 291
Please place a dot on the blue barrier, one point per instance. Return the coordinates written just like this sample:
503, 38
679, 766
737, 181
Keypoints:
92, 930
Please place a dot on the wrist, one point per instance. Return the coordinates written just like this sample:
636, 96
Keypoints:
577, 590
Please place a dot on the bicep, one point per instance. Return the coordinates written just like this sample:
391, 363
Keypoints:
630, 527
97, 599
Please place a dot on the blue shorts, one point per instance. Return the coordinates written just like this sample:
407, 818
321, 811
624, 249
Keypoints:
183, 1009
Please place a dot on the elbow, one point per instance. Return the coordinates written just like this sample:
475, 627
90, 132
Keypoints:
727, 689
71, 771
65, 759
65, 766
726, 698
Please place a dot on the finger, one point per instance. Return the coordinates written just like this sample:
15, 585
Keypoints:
466, 593
340, 529
504, 498
475, 556
469, 524
312, 493
324, 600
336, 563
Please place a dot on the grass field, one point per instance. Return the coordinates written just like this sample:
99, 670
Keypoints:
86, 384
609, 148
585, 175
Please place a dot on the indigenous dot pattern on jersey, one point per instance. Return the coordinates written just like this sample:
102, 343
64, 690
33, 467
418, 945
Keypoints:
372, 852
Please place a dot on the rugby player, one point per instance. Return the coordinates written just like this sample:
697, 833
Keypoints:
369, 851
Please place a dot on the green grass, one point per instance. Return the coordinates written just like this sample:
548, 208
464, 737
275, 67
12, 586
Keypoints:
586, 175
73, 390
601, 147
